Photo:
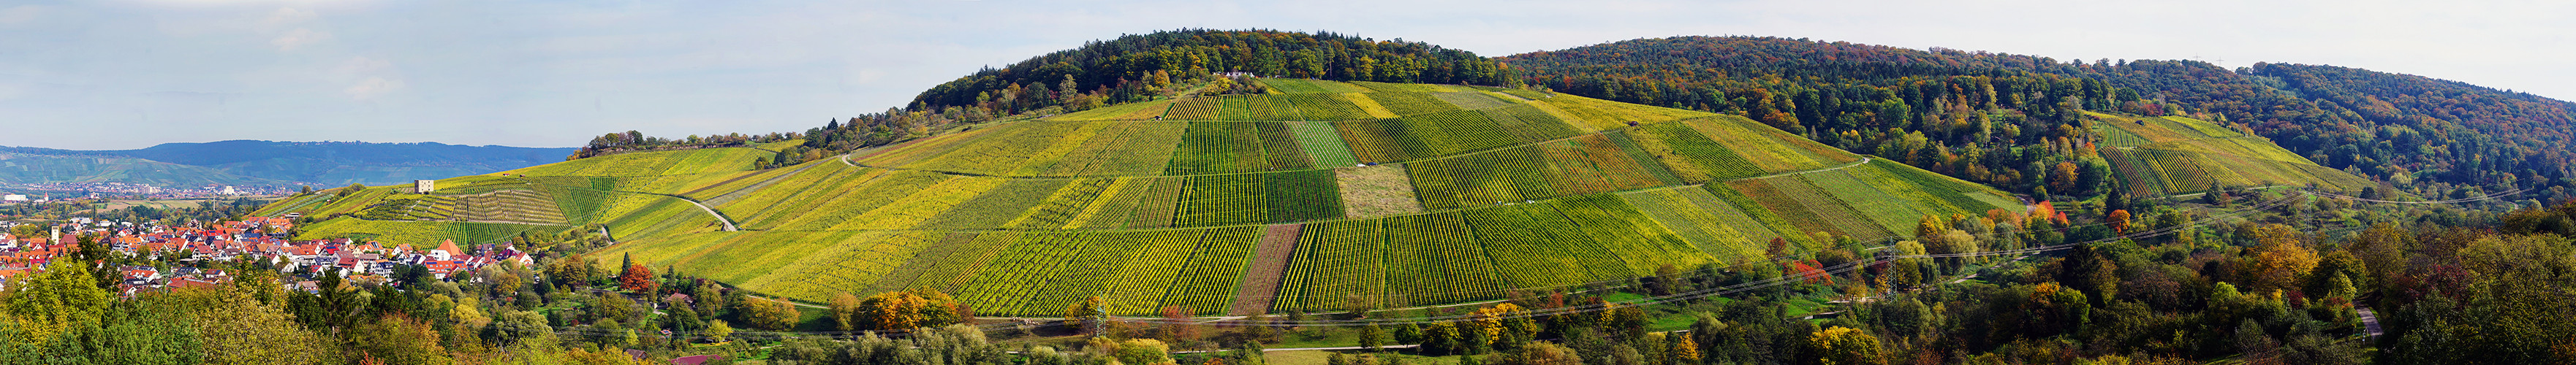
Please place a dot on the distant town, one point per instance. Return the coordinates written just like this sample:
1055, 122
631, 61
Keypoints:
43, 192
256, 239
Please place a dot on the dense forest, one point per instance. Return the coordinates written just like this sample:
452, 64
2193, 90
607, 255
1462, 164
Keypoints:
1124, 69
1145, 67
2401, 129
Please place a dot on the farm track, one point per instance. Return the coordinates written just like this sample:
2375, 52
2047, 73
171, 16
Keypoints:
1864, 159
720, 217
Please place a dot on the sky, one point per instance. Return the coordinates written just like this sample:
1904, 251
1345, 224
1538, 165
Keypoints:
125, 74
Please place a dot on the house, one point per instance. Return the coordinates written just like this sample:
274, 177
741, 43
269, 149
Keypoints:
446, 250
695, 360
195, 283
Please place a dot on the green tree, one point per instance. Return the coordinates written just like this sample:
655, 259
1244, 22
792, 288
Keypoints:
718, 330
141, 333
1372, 337
59, 299
1440, 339
237, 328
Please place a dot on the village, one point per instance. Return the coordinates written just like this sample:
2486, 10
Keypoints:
44, 192
184, 251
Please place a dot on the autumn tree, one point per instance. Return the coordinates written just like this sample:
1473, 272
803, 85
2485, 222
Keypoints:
637, 279
1143, 351
770, 314
1177, 328
399, 339
908, 309
2119, 220
1502, 326
1087, 315
1542, 353
1682, 351
845, 311
2282, 260
1840, 346
2063, 178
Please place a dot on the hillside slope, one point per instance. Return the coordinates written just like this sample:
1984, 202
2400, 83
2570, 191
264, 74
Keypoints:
1294, 200
2157, 156
625, 194
31, 168
337, 163
2425, 135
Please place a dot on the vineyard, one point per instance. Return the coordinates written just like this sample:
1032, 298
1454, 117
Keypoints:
1316, 196
2168, 155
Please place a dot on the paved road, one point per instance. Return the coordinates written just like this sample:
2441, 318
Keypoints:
1863, 160
728, 223
711, 212
1309, 349
2370, 322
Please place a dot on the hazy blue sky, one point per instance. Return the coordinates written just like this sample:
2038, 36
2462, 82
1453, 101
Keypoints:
118, 74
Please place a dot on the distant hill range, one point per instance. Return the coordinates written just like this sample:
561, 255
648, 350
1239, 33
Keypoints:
250, 162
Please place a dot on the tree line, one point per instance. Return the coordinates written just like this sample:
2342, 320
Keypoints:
1120, 70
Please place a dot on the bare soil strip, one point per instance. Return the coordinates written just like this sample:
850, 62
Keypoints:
1269, 265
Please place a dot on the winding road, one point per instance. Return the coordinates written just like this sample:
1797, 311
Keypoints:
720, 218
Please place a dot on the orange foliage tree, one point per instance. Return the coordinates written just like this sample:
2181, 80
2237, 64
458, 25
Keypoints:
2120, 221
637, 279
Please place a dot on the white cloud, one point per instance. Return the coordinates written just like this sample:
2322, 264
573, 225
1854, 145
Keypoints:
287, 16
299, 37
373, 87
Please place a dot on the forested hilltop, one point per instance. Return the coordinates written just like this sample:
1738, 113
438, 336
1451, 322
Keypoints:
1122, 70
1137, 68
2395, 128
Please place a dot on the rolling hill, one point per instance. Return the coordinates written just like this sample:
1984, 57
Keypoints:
249, 162
2420, 134
1293, 200
35, 168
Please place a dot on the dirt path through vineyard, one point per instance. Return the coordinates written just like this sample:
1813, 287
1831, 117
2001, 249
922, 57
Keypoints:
1269, 266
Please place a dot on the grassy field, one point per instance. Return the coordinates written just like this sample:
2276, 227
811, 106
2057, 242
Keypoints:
1396, 195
